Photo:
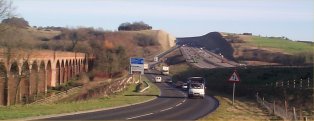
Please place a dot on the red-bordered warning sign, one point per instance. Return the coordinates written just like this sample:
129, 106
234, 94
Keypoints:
234, 77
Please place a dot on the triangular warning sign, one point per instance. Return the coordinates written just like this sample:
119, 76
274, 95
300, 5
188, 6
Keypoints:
234, 77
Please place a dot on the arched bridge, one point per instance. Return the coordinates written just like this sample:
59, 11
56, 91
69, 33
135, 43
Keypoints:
25, 73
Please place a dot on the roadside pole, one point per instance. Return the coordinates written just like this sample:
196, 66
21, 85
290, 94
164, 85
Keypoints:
234, 78
136, 67
233, 94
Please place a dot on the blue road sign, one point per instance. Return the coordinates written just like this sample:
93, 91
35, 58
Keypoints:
137, 60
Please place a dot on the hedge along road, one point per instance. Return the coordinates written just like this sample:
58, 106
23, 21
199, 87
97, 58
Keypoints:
172, 104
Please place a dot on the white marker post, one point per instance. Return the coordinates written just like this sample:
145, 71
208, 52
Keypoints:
234, 78
233, 93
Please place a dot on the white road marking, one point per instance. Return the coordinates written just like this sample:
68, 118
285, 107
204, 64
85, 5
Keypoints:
178, 104
139, 116
184, 100
166, 109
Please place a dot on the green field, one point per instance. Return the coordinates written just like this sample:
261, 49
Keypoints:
129, 96
291, 47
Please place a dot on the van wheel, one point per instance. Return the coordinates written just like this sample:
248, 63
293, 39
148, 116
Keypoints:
189, 96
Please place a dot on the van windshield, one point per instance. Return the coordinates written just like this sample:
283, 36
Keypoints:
196, 86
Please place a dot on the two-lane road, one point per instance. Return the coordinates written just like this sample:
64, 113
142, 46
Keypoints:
172, 104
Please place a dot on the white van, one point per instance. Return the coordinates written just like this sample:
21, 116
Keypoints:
158, 79
196, 87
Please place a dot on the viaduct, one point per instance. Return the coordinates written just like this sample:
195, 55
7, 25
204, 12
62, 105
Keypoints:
28, 73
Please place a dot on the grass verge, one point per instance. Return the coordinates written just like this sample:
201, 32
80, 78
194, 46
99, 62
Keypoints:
127, 97
285, 45
243, 109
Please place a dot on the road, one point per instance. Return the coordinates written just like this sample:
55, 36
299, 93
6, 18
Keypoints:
172, 104
205, 59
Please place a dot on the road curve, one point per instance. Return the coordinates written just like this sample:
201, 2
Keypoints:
172, 104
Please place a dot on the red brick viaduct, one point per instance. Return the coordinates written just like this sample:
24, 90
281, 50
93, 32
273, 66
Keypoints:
26, 73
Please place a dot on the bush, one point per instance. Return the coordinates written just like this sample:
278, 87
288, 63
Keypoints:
135, 26
145, 40
18, 22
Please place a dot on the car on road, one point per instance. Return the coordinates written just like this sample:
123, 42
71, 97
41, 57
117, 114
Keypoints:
184, 86
169, 80
158, 79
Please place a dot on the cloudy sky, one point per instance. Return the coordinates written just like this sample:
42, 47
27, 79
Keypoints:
182, 18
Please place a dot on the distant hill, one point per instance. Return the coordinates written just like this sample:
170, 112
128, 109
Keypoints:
254, 50
212, 41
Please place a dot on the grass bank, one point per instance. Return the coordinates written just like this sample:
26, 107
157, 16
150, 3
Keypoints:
128, 96
243, 109
285, 45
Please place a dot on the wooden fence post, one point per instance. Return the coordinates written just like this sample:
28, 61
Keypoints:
274, 109
301, 84
300, 116
294, 114
276, 84
286, 108
308, 82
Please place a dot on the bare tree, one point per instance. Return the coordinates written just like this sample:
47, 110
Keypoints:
6, 11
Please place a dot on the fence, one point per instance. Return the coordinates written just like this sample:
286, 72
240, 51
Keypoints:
57, 96
283, 112
301, 84
117, 86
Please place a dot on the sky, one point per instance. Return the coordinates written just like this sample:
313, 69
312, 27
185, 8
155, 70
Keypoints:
182, 18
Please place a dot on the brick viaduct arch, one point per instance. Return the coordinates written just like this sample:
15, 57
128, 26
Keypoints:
21, 71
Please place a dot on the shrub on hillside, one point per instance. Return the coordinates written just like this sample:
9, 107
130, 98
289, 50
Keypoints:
145, 40
18, 22
135, 26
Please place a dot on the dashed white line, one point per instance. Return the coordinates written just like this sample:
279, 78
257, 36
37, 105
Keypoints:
139, 116
178, 104
184, 100
166, 109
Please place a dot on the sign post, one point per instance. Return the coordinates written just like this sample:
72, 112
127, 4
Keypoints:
136, 65
234, 78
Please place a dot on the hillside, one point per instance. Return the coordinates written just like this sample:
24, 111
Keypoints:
270, 50
254, 50
59, 39
212, 41
128, 40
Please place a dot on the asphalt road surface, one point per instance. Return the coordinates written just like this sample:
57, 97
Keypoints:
205, 59
172, 104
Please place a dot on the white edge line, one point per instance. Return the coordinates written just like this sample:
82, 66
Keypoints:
139, 116
178, 104
166, 109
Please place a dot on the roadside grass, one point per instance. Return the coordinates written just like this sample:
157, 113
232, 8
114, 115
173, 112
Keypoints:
128, 96
243, 109
291, 47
